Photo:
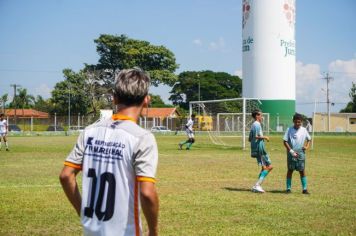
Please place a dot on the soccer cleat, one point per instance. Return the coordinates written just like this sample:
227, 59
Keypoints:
288, 191
305, 191
180, 146
7, 149
257, 189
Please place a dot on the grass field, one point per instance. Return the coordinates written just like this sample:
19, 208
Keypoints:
205, 191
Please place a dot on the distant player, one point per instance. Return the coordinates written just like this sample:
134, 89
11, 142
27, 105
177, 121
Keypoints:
258, 150
296, 140
119, 161
190, 133
3, 131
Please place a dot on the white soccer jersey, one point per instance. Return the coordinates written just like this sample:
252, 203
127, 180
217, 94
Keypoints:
189, 128
3, 126
296, 137
257, 128
114, 155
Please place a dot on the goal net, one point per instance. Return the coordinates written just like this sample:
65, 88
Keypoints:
227, 122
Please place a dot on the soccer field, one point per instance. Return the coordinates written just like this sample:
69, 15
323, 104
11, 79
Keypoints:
204, 191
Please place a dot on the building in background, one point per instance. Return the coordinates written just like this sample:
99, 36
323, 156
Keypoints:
339, 122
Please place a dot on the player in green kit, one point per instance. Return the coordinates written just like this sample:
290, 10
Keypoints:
296, 140
258, 150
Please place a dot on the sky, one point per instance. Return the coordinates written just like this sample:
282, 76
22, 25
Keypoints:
39, 38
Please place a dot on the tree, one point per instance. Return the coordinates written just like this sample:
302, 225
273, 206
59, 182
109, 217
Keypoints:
23, 99
4, 99
156, 101
99, 92
120, 52
351, 106
44, 105
73, 88
213, 85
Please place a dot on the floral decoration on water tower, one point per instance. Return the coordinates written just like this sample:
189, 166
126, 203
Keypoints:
246, 10
289, 12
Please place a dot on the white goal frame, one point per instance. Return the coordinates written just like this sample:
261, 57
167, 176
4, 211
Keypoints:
229, 100
266, 123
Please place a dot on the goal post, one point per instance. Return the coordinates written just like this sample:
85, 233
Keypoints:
226, 120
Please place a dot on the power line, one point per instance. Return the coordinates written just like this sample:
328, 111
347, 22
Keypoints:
32, 71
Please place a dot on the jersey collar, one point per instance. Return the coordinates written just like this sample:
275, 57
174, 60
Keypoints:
122, 117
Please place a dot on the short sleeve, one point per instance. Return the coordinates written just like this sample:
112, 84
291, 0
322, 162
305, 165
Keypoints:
258, 130
285, 138
146, 158
307, 135
75, 158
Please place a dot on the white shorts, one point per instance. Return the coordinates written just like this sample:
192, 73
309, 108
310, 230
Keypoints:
3, 134
190, 134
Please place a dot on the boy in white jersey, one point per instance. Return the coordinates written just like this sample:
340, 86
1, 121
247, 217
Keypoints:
190, 133
296, 140
119, 161
3, 131
258, 150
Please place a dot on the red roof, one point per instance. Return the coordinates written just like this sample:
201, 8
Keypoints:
160, 112
26, 113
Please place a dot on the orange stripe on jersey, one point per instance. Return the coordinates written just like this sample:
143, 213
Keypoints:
137, 224
122, 117
75, 166
145, 179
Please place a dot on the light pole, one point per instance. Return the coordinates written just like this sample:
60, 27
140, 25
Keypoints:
15, 86
69, 86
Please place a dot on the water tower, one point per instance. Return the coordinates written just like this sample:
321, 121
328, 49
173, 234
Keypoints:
268, 57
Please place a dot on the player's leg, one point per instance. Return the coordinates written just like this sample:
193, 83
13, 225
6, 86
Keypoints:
6, 144
0, 141
191, 141
289, 180
303, 180
182, 143
266, 167
291, 166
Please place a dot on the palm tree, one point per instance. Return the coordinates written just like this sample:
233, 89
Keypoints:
4, 99
24, 100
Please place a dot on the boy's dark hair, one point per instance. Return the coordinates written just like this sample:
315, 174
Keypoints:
131, 86
193, 115
297, 116
1, 114
255, 113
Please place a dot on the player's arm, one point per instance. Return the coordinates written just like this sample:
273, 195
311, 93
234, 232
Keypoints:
146, 160
289, 149
150, 206
263, 137
260, 136
306, 145
69, 184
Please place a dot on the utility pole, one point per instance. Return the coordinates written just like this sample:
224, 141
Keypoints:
328, 78
69, 86
15, 86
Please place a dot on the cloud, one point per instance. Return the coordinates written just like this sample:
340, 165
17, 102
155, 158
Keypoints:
308, 81
343, 74
43, 90
346, 68
197, 42
310, 85
217, 45
238, 72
